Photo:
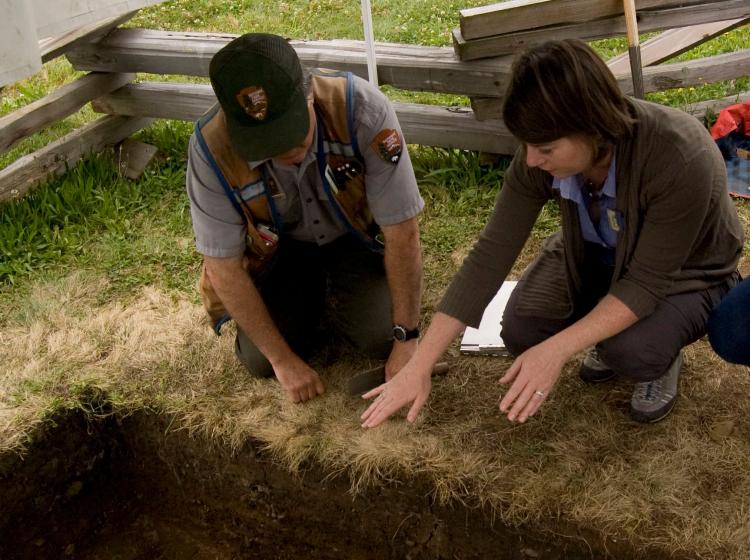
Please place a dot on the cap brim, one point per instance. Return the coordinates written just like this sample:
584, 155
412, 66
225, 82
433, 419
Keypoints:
264, 140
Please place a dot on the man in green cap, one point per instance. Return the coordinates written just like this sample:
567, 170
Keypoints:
303, 199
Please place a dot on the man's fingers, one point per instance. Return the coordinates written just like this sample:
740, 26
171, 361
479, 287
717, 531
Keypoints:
319, 387
311, 391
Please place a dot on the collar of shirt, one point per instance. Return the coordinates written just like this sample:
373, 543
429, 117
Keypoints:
309, 157
571, 187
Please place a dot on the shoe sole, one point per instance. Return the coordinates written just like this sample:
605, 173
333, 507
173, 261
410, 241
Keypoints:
644, 418
595, 380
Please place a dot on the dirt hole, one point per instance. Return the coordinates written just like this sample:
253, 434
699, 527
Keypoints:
132, 488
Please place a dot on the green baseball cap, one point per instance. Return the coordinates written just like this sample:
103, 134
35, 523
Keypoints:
258, 81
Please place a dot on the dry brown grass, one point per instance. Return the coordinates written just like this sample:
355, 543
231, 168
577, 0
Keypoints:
680, 486
581, 460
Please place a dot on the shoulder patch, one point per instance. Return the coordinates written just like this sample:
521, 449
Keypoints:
388, 145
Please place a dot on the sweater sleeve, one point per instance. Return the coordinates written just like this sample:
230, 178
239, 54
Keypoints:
517, 206
674, 208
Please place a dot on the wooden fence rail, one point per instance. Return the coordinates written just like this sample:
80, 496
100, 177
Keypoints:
674, 42
409, 67
519, 15
62, 102
648, 20
56, 158
422, 124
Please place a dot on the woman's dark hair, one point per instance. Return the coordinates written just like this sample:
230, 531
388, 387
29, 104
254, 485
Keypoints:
562, 88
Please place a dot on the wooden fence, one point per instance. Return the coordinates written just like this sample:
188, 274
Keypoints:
113, 55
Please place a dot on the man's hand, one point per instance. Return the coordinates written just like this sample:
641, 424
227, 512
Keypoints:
299, 381
411, 385
401, 353
534, 374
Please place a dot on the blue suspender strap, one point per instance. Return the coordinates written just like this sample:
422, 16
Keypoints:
350, 115
217, 170
230, 194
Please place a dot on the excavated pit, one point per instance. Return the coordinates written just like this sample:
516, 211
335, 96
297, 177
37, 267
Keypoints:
134, 488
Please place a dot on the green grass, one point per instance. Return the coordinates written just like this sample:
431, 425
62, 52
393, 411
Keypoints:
93, 217
425, 22
133, 233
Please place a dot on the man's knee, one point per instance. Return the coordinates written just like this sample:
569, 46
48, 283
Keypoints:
252, 358
373, 339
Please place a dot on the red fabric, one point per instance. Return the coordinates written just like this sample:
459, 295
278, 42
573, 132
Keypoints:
736, 117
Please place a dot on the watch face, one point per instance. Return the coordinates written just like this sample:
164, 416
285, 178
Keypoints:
399, 333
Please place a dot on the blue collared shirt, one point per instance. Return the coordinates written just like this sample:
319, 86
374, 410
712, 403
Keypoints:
605, 233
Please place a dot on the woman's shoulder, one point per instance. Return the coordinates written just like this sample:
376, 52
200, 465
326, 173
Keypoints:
660, 126
654, 118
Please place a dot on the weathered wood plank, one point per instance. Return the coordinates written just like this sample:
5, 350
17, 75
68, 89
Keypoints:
487, 108
520, 15
422, 124
674, 42
133, 157
648, 20
54, 159
447, 128
655, 78
411, 67
62, 102
691, 73
163, 100
715, 105
52, 47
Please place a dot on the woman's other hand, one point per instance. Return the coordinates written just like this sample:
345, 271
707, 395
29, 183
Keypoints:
533, 375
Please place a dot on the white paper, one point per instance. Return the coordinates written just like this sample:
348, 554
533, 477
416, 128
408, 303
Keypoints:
486, 339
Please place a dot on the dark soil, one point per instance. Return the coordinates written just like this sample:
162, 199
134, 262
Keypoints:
133, 489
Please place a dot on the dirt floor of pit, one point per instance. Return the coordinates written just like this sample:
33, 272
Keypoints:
133, 489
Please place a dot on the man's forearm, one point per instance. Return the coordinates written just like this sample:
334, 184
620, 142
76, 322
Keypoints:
403, 265
245, 305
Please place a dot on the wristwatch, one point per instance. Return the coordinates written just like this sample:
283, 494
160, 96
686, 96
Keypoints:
402, 334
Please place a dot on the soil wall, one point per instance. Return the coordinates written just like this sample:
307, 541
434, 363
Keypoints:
133, 488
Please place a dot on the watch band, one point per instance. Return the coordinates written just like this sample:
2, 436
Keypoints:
402, 334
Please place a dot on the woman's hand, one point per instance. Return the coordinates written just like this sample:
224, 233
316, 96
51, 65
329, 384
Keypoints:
534, 374
410, 385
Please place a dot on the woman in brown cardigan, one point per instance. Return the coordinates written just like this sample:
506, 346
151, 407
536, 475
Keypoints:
649, 242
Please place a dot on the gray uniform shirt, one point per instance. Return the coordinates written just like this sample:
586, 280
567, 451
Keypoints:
391, 188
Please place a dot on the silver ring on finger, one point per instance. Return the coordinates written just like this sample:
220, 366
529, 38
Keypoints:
540, 394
